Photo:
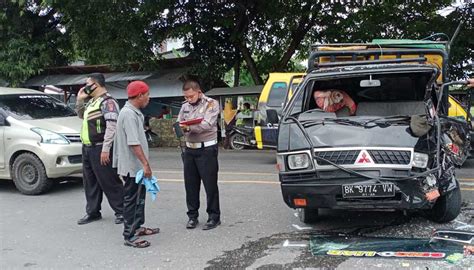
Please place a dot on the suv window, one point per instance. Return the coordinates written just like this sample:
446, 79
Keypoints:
34, 106
277, 94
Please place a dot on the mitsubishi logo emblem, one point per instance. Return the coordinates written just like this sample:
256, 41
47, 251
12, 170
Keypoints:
364, 158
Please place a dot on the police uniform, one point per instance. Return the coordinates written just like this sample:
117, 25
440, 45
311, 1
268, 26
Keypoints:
200, 156
97, 135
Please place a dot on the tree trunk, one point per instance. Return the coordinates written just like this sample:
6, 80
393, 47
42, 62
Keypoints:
250, 63
237, 74
296, 37
237, 70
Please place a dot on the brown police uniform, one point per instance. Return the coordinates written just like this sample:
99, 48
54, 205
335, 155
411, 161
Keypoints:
200, 156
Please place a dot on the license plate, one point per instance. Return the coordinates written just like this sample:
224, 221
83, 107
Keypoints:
368, 191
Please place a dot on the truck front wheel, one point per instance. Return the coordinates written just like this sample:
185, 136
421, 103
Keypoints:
447, 207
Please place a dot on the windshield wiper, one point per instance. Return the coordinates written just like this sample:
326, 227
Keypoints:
386, 121
341, 121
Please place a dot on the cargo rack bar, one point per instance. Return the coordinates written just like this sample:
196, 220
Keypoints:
381, 45
313, 60
368, 62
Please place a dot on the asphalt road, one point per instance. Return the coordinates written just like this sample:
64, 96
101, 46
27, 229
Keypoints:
258, 230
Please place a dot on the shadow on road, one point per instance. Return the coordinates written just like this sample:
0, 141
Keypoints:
64, 184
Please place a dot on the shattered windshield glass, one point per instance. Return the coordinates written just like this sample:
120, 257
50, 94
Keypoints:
34, 106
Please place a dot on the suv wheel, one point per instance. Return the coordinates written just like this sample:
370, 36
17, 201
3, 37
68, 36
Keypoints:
29, 175
235, 141
307, 215
447, 207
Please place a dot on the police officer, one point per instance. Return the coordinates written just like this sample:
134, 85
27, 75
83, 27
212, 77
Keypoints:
99, 116
200, 155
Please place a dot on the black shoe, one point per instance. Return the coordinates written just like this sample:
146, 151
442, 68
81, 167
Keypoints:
118, 219
192, 223
89, 218
211, 224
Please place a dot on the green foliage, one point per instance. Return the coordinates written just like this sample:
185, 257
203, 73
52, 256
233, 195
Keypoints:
264, 36
30, 40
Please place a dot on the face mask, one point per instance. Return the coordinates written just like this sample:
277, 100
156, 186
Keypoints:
88, 89
195, 103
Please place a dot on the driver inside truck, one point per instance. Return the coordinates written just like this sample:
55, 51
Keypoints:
334, 100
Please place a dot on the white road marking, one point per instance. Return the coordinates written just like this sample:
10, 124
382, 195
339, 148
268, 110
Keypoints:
301, 228
466, 184
224, 173
287, 244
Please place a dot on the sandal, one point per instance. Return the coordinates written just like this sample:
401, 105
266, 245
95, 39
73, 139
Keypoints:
147, 231
137, 243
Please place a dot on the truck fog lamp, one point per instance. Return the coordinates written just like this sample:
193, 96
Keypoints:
420, 160
298, 161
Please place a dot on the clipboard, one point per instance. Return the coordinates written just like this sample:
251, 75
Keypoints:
191, 122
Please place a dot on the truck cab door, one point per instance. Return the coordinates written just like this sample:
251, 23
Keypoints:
294, 82
267, 136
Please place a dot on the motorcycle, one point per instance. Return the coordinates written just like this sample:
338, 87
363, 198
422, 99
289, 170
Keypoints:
241, 137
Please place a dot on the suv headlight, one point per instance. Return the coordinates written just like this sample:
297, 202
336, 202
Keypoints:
50, 137
420, 160
298, 161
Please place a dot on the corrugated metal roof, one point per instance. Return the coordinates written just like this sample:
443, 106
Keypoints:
240, 90
168, 83
78, 79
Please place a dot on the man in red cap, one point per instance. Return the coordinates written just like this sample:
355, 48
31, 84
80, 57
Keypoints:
130, 156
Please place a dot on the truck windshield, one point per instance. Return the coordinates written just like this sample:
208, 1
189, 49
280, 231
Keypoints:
34, 106
396, 94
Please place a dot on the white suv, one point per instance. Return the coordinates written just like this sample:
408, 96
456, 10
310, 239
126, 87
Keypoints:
39, 139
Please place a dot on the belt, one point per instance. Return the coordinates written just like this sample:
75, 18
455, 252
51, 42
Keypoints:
93, 144
200, 144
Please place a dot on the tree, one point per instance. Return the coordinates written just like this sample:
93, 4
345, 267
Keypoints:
30, 40
406, 20
253, 37
265, 34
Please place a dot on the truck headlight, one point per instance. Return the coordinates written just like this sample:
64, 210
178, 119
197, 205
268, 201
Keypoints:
298, 161
50, 137
420, 160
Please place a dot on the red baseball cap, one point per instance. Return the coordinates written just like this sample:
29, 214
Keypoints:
136, 88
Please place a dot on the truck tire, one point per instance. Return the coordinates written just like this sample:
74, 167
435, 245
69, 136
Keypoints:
307, 215
29, 175
447, 207
234, 139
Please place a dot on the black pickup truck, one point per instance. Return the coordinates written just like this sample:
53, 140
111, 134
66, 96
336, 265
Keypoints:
395, 149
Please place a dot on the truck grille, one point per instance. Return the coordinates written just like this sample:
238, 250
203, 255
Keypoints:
73, 138
298, 177
390, 156
342, 157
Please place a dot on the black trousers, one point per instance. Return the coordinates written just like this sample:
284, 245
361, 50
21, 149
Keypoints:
201, 164
134, 207
99, 179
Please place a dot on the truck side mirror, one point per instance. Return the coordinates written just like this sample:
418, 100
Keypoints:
272, 117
